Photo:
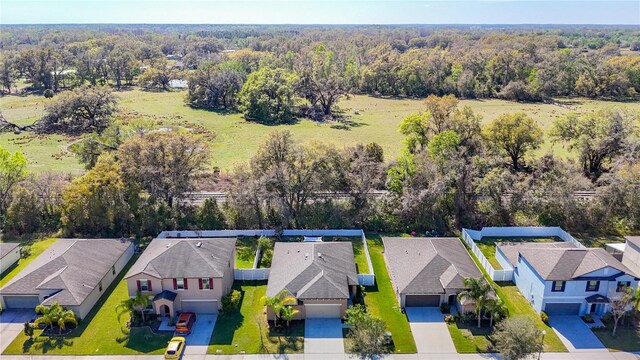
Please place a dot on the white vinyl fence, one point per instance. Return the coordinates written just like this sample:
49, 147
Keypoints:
263, 274
471, 236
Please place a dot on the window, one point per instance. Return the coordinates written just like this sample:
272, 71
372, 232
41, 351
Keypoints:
622, 285
206, 284
593, 285
100, 286
144, 285
113, 270
558, 286
181, 284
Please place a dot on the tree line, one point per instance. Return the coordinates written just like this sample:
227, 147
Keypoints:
320, 64
453, 173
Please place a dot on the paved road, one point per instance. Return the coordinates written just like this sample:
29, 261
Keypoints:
11, 324
198, 340
575, 334
430, 332
322, 337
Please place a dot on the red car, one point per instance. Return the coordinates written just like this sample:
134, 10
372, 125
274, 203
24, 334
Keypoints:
185, 323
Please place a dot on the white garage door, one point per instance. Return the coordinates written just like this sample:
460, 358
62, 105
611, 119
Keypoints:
313, 311
200, 306
21, 302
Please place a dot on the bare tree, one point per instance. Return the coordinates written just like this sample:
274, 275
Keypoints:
620, 305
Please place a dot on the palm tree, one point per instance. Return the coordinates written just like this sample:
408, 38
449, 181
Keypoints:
278, 303
496, 308
138, 303
477, 290
288, 313
55, 314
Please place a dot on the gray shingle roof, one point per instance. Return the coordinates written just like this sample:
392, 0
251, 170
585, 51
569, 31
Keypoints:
182, 258
428, 265
556, 264
73, 267
634, 240
318, 270
6, 248
512, 249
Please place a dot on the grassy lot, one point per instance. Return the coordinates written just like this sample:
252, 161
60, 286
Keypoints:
382, 303
626, 339
246, 247
599, 240
99, 333
516, 304
247, 331
488, 246
371, 119
37, 247
469, 339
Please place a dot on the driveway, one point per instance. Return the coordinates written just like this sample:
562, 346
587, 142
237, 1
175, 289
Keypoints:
429, 330
198, 340
323, 336
12, 324
575, 334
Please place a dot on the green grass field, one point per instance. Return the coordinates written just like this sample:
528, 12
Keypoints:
371, 120
99, 333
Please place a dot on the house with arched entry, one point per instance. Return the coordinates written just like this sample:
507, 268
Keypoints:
184, 274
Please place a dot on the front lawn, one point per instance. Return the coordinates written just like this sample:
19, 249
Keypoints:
247, 331
381, 301
518, 305
626, 339
99, 333
246, 247
37, 247
469, 339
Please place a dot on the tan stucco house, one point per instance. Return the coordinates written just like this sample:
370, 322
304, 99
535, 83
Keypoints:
320, 275
182, 275
428, 272
73, 272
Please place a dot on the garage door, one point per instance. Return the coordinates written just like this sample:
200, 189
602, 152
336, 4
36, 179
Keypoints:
200, 307
562, 308
21, 302
422, 300
313, 311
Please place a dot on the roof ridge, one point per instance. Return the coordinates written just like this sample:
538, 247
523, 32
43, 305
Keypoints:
193, 247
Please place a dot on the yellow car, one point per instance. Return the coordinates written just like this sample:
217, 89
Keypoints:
175, 348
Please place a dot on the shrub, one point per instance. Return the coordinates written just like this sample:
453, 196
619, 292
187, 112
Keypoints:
48, 93
445, 308
28, 329
231, 301
607, 318
25, 251
265, 243
588, 319
544, 317
449, 319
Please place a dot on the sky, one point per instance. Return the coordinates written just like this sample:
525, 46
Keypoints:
320, 12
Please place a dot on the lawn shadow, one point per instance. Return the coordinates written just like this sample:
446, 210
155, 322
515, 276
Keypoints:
9, 269
143, 340
228, 323
472, 330
220, 111
289, 339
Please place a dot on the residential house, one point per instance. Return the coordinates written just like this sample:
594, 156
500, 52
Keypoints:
72, 272
561, 280
428, 272
184, 274
321, 276
631, 255
9, 255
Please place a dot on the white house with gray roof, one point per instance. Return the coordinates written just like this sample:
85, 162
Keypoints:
320, 275
184, 274
563, 280
428, 272
72, 272
631, 254
9, 255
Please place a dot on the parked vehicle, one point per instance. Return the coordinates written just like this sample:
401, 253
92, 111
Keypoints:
175, 348
185, 323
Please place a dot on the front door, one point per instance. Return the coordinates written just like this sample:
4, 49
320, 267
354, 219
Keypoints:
593, 308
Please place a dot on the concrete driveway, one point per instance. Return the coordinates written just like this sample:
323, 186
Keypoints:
198, 340
429, 330
575, 334
323, 336
12, 324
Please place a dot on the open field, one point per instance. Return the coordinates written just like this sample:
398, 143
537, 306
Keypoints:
371, 120
99, 333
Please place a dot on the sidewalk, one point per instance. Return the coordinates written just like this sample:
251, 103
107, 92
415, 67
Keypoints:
544, 356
